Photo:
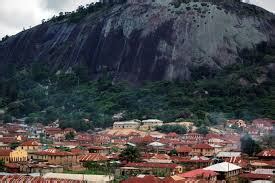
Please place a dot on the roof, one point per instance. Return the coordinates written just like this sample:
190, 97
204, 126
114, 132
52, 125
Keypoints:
198, 173
29, 179
126, 122
223, 167
152, 121
80, 177
254, 176
5, 152
203, 146
55, 152
267, 153
31, 143
184, 149
93, 157
172, 134
152, 165
145, 179
229, 154
156, 144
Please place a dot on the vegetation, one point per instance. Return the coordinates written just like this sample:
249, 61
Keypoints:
245, 90
249, 146
70, 136
2, 166
172, 128
203, 130
130, 154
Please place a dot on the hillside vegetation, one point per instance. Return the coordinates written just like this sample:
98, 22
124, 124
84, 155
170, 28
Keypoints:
244, 90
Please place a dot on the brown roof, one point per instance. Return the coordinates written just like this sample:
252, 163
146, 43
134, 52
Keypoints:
29, 179
152, 165
5, 152
145, 179
184, 149
267, 153
93, 157
203, 146
31, 143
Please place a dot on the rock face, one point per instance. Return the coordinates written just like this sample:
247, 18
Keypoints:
150, 40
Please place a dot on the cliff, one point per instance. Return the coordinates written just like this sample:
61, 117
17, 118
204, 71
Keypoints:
146, 40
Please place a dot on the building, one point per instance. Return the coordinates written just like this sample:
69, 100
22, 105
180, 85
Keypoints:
166, 169
30, 146
134, 124
184, 151
236, 122
9, 156
150, 124
203, 150
208, 175
225, 170
56, 157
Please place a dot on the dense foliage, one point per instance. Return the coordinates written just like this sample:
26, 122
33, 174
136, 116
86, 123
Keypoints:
172, 128
130, 154
244, 90
249, 146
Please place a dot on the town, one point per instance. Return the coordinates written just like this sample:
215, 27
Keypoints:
137, 151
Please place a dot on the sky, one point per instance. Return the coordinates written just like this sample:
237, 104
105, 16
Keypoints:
18, 14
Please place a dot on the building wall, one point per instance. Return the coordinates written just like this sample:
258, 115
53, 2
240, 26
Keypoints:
19, 156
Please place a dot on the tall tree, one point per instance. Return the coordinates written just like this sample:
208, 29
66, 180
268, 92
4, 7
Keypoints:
130, 154
249, 146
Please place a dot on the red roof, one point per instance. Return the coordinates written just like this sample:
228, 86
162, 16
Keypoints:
254, 176
198, 173
152, 165
172, 134
161, 157
29, 179
5, 152
145, 179
31, 143
93, 157
203, 146
55, 152
267, 153
184, 149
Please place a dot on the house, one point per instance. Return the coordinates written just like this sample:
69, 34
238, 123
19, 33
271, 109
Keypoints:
159, 158
9, 156
99, 149
208, 175
151, 168
191, 163
56, 157
41, 168
226, 171
54, 133
184, 151
150, 124
236, 122
259, 174
225, 154
93, 157
264, 124
203, 150
192, 137
134, 124
172, 136
30, 179
30, 146
268, 154
143, 179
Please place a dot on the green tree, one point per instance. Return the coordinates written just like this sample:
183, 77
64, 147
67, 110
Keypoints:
70, 136
249, 146
203, 130
130, 154
14, 145
2, 165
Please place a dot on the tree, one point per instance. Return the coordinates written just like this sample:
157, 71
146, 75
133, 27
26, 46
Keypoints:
70, 136
249, 146
2, 163
130, 154
14, 145
172, 128
203, 130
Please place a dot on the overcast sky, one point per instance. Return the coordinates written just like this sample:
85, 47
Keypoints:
16, 14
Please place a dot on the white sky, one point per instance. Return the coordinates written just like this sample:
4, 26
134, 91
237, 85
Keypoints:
17, 14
